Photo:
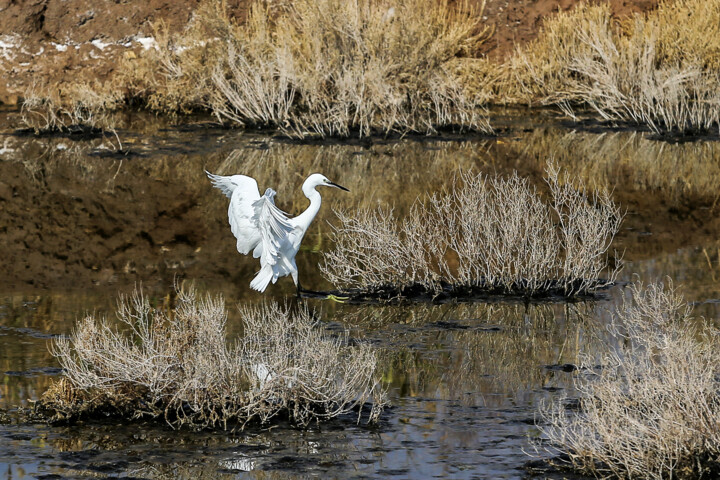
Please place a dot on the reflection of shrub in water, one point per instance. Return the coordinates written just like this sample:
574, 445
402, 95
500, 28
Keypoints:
326, 67
393, 172
688, 171
470, 351
501, 235
177, 365
659, 70
653, 411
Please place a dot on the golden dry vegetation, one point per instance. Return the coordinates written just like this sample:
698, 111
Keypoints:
660, 69
322, 67
489, 233
334, 68
652, 410
177, 364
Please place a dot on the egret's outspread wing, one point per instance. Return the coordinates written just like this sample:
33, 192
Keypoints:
227, 185
274, 227
258, 225
243, 192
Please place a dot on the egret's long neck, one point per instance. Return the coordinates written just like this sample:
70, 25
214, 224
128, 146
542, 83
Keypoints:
305, 219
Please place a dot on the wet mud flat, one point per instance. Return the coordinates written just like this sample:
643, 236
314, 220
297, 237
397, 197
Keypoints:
81, 223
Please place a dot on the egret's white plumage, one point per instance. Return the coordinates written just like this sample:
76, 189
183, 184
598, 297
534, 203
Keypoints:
260, 226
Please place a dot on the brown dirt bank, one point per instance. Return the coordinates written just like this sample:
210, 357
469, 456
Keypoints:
52, 40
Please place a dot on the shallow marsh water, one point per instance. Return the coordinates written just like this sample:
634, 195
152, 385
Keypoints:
81, 222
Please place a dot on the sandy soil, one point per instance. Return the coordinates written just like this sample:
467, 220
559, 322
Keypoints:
52, 40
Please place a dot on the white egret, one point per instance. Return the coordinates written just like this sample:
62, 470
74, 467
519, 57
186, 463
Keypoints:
262, 227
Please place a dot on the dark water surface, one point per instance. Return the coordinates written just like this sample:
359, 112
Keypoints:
465, 380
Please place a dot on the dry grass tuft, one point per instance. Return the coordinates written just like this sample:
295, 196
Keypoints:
653, 410
539, 71
326, 67
177, 365
660, 69
498, 232
73, 108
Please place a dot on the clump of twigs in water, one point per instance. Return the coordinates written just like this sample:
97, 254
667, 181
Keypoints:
653, 410
177, 365
489, 235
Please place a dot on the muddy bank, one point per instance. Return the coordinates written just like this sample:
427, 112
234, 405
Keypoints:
53, 41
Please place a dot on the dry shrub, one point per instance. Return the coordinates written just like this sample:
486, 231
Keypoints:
326, 67
623, 81
659, 69
653, 410
499, 231
538, 72
177, 365
71, 108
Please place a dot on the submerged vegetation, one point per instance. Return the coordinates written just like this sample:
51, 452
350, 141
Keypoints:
490, 235
176, 365
653, 410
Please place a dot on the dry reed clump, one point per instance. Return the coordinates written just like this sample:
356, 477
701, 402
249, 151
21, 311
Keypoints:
72, 108
326, 67
660, 69
177, 365
176, 76
490, 234
653, 410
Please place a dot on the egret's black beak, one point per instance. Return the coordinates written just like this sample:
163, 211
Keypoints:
338, 186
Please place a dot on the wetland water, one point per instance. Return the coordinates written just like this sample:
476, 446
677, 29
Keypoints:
80, 222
